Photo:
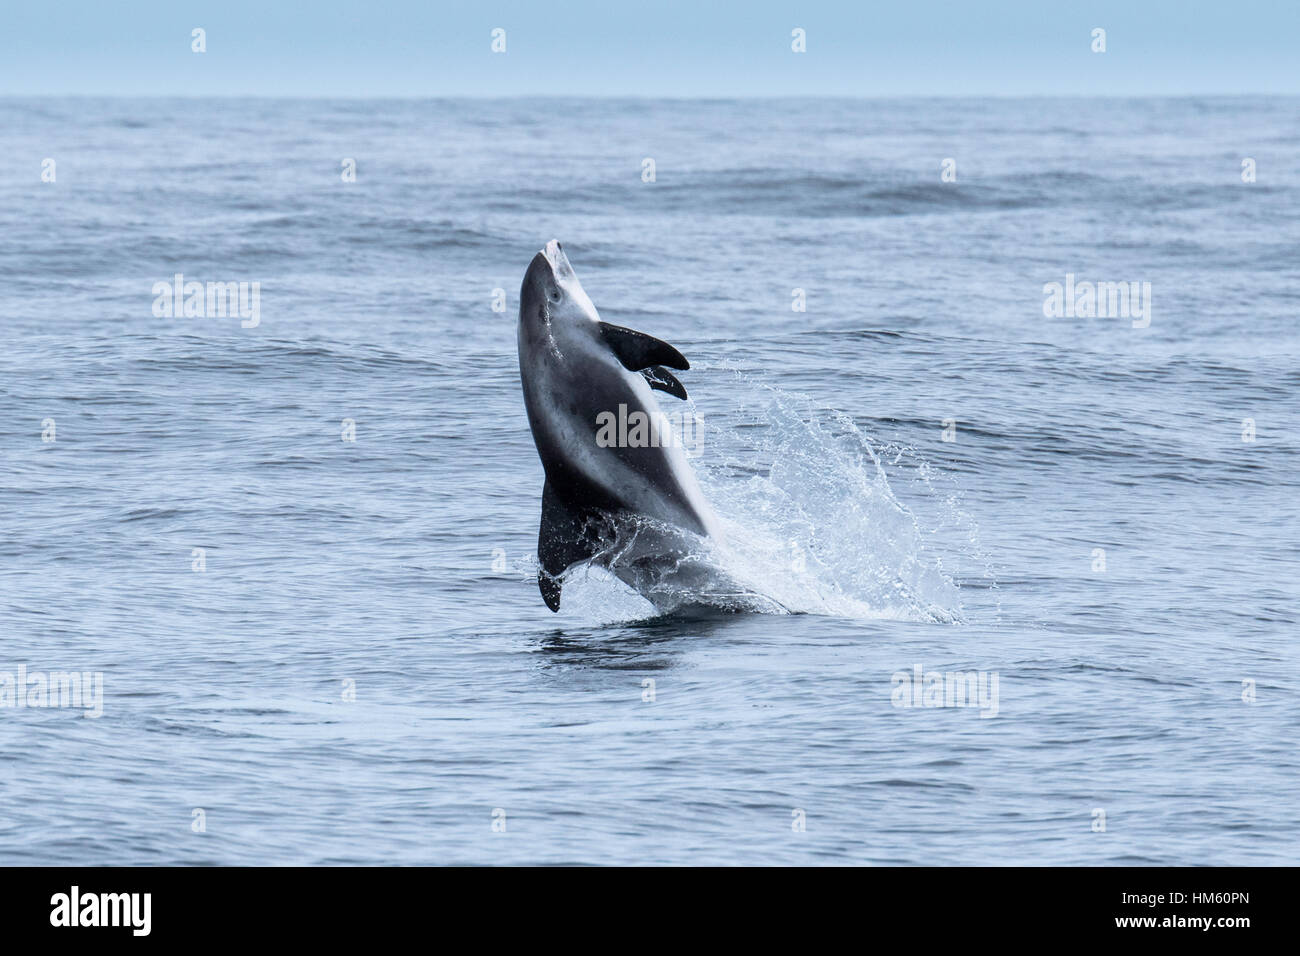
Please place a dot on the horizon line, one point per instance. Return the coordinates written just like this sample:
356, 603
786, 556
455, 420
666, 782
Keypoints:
647, 97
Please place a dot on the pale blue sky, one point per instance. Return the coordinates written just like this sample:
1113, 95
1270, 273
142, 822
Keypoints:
655, 48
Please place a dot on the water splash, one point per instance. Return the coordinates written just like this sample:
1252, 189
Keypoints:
811, 524
812, 520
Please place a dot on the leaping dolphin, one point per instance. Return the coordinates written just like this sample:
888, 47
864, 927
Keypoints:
637, 510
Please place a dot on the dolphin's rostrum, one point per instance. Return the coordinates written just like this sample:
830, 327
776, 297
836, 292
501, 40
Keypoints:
576, 369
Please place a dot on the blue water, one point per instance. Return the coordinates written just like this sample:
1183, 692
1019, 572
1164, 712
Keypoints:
400, 567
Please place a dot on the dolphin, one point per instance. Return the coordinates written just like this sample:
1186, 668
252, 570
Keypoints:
632, 507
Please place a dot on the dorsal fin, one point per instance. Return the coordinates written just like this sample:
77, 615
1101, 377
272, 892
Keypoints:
664, 380
638, 351
566, 536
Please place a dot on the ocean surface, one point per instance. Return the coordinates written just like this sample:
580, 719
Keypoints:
317, 650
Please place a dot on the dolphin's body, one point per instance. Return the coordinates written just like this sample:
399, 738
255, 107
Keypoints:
636, 510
